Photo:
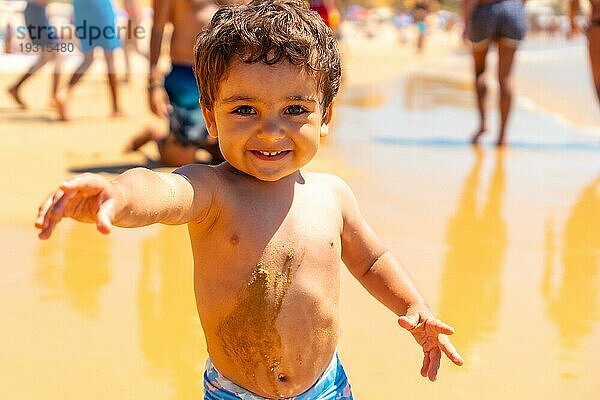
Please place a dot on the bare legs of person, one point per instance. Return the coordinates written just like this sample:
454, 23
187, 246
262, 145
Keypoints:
41, 61
479, 56
112, 83
130, 44
506, 56
63, 95
594, 52
171, 152
506, 52
8, 39
420, 42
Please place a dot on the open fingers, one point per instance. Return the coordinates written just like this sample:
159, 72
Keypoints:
435, 326
434, 363
448, 348
105, 216
409, 322
425, 366
54, 216
55, 213
85, 184
45, 213
41, 219
59, 204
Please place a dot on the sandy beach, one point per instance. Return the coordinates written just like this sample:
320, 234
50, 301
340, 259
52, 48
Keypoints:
503, 243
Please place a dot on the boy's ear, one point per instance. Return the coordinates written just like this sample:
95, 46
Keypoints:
209, 120
326, 120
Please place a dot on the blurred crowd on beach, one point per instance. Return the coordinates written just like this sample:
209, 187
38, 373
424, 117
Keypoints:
546, 18
409, 22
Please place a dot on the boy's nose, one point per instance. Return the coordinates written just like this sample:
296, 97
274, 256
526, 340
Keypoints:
271, 131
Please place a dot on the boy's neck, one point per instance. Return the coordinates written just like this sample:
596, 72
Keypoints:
293, 178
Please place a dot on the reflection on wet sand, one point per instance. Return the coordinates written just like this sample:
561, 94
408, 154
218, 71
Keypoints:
426, 90
572, 298
75, 271
476, 240
170, 333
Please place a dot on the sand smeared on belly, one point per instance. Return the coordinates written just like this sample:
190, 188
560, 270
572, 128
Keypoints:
249, 334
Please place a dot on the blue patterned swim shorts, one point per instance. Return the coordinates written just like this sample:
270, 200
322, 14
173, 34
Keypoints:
333, 385
504, 19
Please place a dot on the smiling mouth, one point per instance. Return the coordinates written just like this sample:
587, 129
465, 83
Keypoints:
270, 155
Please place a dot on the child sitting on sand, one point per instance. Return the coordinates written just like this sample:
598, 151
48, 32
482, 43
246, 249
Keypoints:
268, 238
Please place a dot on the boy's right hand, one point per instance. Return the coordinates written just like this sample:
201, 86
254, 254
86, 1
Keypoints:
86, 198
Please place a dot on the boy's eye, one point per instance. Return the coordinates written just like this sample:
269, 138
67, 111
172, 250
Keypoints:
244, 110
295, 110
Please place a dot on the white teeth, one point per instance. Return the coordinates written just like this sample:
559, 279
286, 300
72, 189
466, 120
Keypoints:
267, 153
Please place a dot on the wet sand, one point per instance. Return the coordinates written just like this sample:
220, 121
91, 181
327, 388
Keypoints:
504, 244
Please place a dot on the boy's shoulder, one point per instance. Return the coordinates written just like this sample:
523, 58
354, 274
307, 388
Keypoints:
322, 178
197, 171
326, 181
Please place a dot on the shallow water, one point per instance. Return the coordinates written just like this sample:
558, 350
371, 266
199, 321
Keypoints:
504, 244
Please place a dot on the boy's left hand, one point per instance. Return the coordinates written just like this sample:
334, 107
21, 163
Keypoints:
431, 334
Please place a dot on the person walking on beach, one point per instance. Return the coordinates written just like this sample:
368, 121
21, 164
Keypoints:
94, 27
40, 33
494, 21
8, 38
175, 97
268, 237
130, 41
593, 37
420, 12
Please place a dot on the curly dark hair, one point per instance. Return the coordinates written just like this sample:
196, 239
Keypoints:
267, 31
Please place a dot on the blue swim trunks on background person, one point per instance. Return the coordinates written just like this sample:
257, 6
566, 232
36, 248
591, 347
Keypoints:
37, 24
503, 19
186, 123
95, 24
333, 385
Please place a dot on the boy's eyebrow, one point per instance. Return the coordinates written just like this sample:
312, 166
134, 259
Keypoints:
308, 99
236, 98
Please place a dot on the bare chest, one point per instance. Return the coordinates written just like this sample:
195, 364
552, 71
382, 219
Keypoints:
271, 242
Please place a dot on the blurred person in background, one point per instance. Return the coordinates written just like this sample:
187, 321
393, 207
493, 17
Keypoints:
90, 16
40, 34
175, 96
420, 12
130, 42
494, 21
8, 39
329, 10
593, 37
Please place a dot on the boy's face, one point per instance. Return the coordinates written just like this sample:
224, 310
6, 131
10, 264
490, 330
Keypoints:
268, 118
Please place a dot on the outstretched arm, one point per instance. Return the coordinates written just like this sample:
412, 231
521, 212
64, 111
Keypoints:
138, 197
378, 271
